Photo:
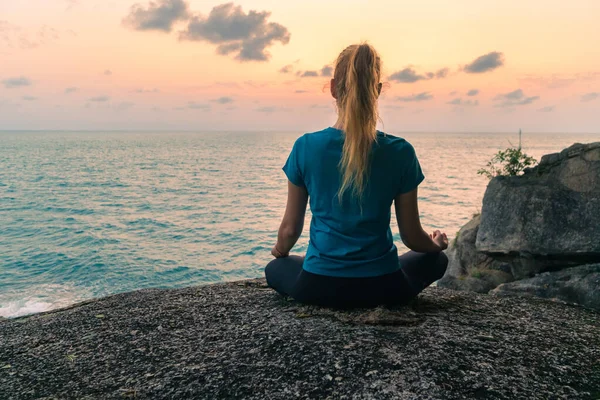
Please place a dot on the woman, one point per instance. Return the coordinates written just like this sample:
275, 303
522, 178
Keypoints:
352, 173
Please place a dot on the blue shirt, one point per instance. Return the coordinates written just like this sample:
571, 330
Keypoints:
344, 241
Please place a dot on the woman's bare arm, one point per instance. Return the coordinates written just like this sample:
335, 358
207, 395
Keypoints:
293, 220
411, 231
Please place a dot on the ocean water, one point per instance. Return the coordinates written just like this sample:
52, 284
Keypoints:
87, 214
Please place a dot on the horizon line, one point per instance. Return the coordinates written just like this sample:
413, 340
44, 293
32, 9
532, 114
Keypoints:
270, 131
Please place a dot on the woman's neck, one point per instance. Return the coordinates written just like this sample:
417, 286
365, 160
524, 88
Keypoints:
339, 124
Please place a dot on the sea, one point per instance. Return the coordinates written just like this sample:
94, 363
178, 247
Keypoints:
89, 214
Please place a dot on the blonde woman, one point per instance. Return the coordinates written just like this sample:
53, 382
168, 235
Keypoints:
352, 174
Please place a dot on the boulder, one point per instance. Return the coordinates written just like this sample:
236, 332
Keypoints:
548, 218
469, 269
578, 285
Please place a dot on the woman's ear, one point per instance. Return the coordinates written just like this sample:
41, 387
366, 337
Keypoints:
332, 89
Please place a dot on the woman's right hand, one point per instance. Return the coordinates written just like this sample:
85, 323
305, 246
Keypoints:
440, 239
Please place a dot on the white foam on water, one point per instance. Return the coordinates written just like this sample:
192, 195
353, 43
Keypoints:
39, 298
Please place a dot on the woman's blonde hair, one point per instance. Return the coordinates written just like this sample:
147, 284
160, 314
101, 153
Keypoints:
356, 86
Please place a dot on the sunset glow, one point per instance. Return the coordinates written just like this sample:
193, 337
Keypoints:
91, 64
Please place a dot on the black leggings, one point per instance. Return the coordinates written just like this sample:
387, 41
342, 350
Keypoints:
418, 270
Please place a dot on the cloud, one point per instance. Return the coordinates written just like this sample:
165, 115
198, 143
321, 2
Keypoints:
107, 72
327, 71
16, 82
223, 100
407, 75
466, 103
307, 74
17, 37
142, 90
485, 63
410, 75
442, 73
157, 16
123, 106
29, 98
70, 90
248, 36
546, 109
514, 98
198, 106
590, 97
424, 96
301, 91
319, 106
271, 109
452, 93
71, 4
99, 99
473, 92
286, 69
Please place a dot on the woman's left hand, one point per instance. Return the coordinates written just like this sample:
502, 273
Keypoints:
277, 254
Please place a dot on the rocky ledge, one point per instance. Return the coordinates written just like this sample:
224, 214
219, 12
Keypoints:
242, 340
538, 234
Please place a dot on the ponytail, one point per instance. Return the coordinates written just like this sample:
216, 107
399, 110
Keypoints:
356, 78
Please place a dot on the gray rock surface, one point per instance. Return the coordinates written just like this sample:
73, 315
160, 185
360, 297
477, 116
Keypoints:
469, 269
547, 218
579, 285
242, 340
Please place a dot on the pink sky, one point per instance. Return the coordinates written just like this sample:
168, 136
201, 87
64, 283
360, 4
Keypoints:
198, 65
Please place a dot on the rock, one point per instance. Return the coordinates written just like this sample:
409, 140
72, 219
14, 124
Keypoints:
576, 285
548, 218
469, 269
232, 341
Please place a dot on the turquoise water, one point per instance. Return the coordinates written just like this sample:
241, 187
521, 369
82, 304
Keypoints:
89, 214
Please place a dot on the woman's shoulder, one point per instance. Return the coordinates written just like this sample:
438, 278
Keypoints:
394, 142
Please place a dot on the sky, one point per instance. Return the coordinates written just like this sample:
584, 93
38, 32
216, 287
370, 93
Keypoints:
448, 66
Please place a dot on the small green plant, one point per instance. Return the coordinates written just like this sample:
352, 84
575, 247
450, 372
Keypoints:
509, 162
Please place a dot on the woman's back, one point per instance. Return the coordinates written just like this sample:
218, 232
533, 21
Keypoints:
350, 236
351, 173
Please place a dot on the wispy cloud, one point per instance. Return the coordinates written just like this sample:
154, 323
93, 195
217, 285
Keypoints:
16, 82
29, 98
157, 16
99, 99
107, 72
123, 106
485, 63
245, 35
327, 71
286, 69
424, 96
271, 109
71, 89
514, 98
547, 109
410, 75
307, 74
223, 100
142, 90
473, 92
301, 91
17, 37
590, 96
465, 103
198, 106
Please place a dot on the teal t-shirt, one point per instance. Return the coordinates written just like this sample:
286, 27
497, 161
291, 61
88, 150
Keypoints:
344, 241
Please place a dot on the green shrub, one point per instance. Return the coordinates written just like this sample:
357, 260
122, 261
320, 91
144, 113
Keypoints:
509, 162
